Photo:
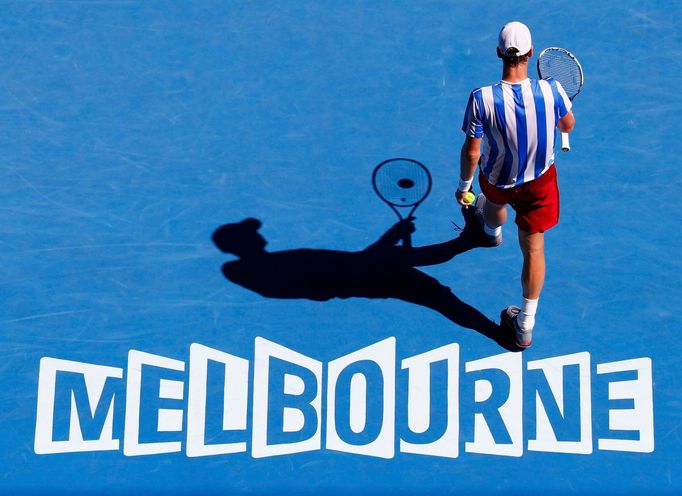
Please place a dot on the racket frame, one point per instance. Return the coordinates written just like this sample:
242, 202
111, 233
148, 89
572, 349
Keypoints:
565, 142
407, 240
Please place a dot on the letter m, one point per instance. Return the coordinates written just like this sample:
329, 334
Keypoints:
75, 409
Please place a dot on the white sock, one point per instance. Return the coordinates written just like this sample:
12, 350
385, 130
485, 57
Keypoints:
526, 318
492, 231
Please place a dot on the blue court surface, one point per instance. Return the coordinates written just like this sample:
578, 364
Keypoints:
131, 364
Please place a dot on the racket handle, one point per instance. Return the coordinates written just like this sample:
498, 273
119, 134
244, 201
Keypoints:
407, 241
565, 143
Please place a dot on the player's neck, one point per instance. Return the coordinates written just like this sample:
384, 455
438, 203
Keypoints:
514, 74
251, 252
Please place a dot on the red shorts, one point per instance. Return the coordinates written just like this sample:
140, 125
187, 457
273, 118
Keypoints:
536, 203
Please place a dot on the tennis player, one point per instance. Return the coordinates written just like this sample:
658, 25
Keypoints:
515, 120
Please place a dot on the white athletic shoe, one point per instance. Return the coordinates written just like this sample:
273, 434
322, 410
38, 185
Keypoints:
509, 318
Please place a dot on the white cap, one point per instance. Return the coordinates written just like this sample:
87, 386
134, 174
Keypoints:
515, 35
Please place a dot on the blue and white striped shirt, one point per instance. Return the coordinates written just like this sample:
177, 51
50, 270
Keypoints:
517, 122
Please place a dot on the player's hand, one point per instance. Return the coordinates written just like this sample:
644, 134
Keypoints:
404, 227
460, 198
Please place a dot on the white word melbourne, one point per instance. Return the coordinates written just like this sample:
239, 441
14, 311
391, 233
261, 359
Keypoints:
281, 402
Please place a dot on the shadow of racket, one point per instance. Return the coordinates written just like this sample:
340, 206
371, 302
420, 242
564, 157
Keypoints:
403, 184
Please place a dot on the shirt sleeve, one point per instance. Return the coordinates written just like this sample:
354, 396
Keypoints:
473, 125
562, 104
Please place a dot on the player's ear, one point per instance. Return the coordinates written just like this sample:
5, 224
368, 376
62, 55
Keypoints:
530, 53
499, 53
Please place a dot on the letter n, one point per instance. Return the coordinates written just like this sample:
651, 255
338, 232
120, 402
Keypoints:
563, 411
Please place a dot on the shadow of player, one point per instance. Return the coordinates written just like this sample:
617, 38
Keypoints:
382, 270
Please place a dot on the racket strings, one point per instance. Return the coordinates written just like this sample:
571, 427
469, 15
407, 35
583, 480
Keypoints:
402, 183
564, 69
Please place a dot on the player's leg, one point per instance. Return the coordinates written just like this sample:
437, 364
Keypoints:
533, 273
494, 217
532, 280
537, 210
522, 319
491, 211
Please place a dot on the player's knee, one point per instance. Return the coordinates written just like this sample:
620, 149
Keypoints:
534, 252
532, 244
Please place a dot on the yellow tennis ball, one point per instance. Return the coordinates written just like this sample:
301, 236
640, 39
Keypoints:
468, 197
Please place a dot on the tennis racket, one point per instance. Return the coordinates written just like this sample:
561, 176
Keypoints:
402, 183
563, 66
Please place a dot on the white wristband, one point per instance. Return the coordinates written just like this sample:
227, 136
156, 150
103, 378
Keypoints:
464, 186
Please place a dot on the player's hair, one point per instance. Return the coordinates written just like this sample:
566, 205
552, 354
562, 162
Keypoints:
511, 57
232, 238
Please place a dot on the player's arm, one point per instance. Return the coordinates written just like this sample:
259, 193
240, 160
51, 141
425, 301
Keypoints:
435, 254
566, 123
468, 160
391, 237
563, 106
